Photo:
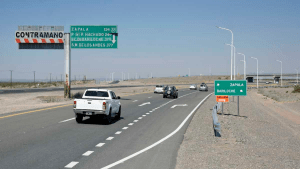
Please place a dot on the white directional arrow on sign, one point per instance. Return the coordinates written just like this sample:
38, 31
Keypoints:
145, 104
178, 105
114, 40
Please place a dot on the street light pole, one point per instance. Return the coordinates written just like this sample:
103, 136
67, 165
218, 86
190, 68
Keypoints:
256, 70
244, 65
113, 76
297, 75
231, 46
281, 71
234, 58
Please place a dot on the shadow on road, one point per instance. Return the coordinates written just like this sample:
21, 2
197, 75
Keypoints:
99, 121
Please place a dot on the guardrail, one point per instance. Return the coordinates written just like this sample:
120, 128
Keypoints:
216, 124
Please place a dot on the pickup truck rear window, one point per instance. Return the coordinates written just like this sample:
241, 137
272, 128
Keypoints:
96, 93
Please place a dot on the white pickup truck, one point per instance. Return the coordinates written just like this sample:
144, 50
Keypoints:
100, 103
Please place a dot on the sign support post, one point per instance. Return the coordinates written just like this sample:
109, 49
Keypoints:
67, 86
222, 107
238, 105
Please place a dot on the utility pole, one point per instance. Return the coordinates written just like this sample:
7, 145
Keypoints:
281, 70
10, 78
67, 85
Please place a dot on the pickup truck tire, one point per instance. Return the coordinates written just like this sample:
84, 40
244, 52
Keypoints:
119, 114
79, 118
108, 118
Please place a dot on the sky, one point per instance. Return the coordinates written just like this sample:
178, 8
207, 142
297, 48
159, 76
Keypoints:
162, 37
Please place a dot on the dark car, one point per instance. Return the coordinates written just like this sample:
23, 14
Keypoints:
170, 91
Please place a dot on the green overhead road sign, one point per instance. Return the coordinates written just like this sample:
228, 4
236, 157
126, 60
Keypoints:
230, 87
103, 36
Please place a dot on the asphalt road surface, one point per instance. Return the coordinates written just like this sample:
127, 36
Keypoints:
147, 135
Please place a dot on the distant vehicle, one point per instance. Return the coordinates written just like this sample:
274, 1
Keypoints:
268, 82
100, 103
170, 91
159, 89
203, 87
193, 87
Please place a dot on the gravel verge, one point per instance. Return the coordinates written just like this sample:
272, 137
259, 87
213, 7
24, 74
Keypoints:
258, 138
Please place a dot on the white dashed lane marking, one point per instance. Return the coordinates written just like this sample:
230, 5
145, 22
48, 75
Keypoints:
144, 115
110, 138
147, 113
160, 141
140, 118
71, 164
67, 120
118, 132
135, 100
87, 153
124, 128
135, 121
130, 124
100, 144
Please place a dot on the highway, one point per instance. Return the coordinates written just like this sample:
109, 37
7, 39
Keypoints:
147, 136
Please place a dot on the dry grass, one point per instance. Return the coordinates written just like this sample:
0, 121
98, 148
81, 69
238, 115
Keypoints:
296, 89
50, 99
280, 94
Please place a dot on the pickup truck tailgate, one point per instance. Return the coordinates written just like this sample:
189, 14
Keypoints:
89, 104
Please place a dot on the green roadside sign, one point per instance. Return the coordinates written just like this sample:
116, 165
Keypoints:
230, 87
94, 36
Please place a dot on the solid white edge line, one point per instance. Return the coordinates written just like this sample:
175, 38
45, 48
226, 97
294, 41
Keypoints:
67, 120
71, 164
87, 153
158, 142
100, 144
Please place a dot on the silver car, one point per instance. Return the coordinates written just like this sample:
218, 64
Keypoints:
203, 87
193, 87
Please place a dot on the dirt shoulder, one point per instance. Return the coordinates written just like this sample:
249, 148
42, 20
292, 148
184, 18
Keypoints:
265, 135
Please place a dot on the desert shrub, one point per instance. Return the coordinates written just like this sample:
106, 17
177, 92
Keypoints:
77, 95
50, 99
296, 89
